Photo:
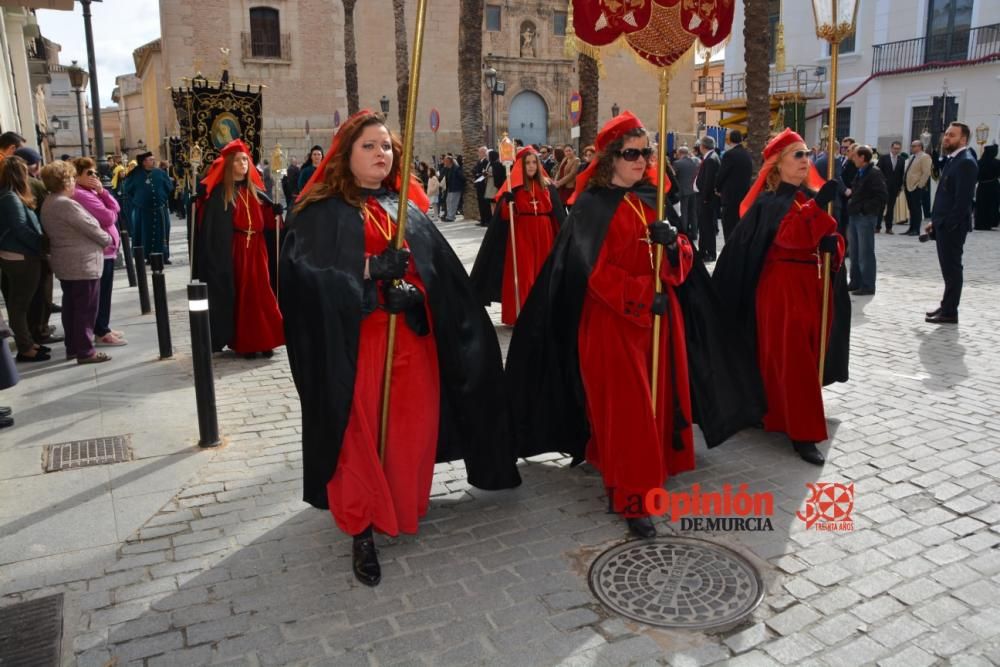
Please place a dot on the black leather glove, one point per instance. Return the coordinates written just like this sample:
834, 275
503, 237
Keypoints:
827, 193
278, 208
506, 197
662, 232
828, 244
390, 265
399, 298
659, 306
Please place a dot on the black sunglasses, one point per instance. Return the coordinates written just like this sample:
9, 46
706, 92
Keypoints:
633, 154
798, 155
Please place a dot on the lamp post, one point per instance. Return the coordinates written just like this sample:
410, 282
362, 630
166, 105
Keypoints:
835, 21
384, 104
491, 84
615, 109
77, 81
982, 136
95, 97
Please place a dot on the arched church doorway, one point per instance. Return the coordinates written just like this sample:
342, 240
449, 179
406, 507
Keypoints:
528, 118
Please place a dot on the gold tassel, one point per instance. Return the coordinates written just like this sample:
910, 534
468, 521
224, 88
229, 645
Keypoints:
779, 48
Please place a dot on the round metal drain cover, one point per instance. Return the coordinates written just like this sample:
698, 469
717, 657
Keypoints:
677, 582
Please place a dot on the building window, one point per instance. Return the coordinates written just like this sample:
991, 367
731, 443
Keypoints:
493, 18
702, 119
265, 33
702, 84
843, 121
948, 26
920, 121
773, 19
559, 23
846, 46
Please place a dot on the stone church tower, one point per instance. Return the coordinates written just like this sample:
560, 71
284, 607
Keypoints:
296, 49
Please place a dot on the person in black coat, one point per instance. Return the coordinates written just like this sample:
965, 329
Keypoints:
708, 200
733, 181
951, 217
892, 167
988, 190
480, 176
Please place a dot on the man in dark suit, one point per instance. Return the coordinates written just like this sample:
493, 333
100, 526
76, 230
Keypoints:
951, 217
733, 181
685, 166
479, 174
708, 200
892, 167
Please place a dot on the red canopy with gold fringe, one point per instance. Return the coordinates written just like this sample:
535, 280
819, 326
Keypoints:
659, 31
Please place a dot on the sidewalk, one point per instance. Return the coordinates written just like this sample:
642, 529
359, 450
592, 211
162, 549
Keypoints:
187, 557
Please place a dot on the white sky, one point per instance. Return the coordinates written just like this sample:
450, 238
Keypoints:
120, 26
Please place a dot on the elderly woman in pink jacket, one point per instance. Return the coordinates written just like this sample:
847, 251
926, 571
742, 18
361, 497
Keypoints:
98, 202
77, 245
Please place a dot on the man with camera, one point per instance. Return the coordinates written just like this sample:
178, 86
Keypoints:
951, 218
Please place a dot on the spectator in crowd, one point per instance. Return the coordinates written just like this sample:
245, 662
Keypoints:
916, 177
8, 372
99, 203
77, 256
10, 142
20, 254
892, 167
41, 304
566, 173
588, 154
686, 167
268, 180
290, 181
988, 189
733, 182
868, 195
951, 217
708, 200
480, 178
454, 181
315, 157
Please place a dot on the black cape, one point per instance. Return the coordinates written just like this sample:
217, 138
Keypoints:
487, 271
738, 271
323, 298
213, 261
548, 403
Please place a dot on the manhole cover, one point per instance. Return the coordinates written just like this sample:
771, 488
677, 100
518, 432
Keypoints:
80, 453
677, 582
31, 632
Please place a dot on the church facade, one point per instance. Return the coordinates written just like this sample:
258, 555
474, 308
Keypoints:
296, 49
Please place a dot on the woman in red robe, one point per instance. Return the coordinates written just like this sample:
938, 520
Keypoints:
538, 215
771, 274
601, 278
340, 280
231, 255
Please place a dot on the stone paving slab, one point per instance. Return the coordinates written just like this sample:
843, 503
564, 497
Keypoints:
234, 569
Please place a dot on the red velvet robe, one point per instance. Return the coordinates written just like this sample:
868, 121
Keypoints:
632, 449
534, 231
789, 311
257, 324
391, 496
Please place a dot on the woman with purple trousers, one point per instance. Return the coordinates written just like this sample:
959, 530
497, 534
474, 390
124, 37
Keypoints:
98, 202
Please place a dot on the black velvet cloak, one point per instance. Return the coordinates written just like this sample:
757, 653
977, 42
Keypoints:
323, 298
548, 402
487, 271
213, 260
738, 271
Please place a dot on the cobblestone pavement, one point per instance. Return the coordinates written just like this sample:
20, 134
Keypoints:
235, 569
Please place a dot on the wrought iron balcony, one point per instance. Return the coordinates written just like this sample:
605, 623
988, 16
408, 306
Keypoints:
267, 48
970, 46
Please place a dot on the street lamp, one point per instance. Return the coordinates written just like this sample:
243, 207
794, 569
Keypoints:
835, 22
982, 135
78, 81
615, 109
490, 75
384, 103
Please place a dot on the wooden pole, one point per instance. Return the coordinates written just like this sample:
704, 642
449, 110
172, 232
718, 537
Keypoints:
661, 208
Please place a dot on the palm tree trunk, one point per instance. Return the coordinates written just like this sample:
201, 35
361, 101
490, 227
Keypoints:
470, 65
351, 59
757, 47
402, 59
589, 91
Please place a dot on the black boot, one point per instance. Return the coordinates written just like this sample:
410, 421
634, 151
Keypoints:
641, 527
5, 412
267, 354
809, 452
366, 567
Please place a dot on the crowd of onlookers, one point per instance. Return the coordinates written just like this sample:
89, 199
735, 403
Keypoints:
57, 221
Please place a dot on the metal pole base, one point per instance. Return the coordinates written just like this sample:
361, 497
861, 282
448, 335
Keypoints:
140, 274
160, 301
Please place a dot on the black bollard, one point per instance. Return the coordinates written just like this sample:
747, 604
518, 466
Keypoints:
201, 356
160, 301
140, 274
127, 253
